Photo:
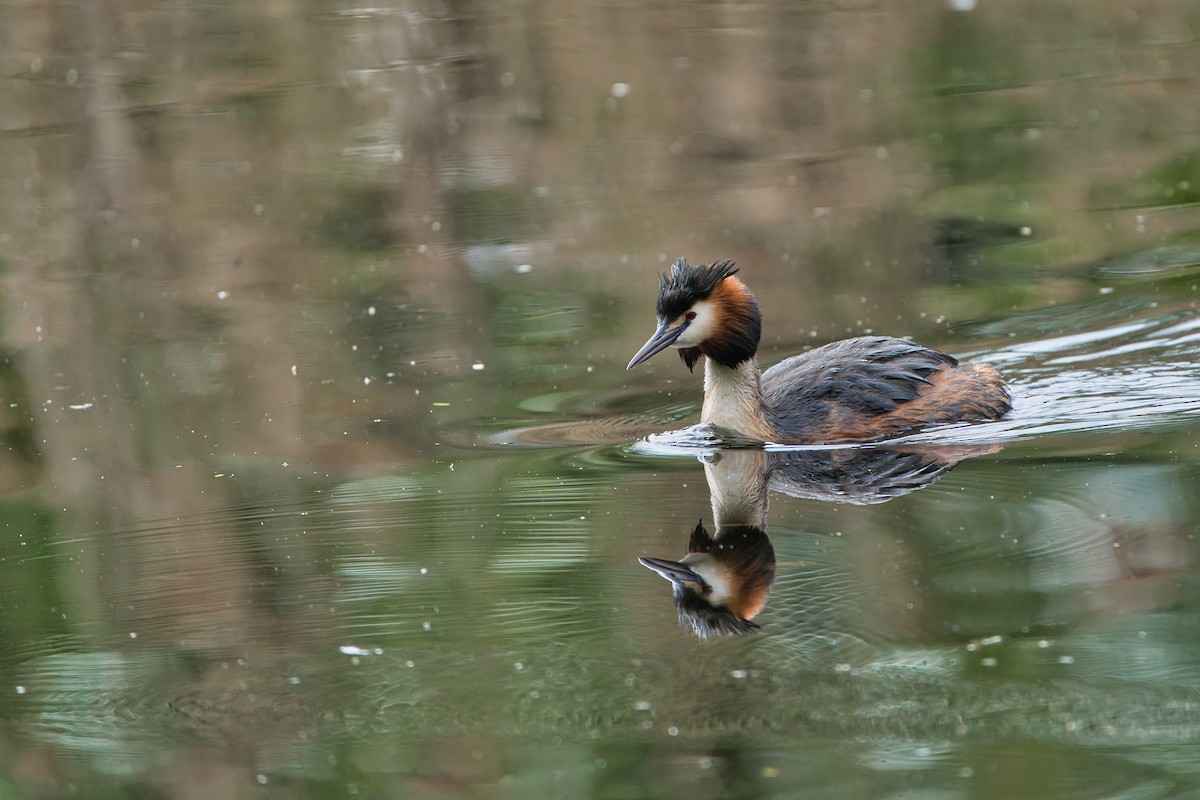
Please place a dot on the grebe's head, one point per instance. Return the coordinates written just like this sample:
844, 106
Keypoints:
722, 583
704, 310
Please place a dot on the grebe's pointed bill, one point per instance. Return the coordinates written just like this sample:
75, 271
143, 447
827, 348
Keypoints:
663, 338
674, 571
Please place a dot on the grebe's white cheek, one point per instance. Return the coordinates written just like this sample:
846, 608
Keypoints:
716, 576
699, 329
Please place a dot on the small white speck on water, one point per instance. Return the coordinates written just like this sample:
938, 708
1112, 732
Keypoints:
478, 366
295, 370
620, 90
222, 295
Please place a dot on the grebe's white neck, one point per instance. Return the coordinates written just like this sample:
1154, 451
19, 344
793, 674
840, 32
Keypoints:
737, 483
733, 398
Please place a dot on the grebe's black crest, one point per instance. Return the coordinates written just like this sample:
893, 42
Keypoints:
741, 322
686, 284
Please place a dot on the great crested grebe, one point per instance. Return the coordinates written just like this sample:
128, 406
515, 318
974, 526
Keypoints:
861, 389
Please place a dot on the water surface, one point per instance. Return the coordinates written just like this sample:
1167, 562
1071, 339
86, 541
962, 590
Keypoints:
323, 474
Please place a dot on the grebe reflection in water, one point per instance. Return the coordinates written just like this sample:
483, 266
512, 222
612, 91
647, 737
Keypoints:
725, 578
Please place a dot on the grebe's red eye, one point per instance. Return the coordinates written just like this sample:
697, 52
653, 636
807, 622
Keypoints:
689, 316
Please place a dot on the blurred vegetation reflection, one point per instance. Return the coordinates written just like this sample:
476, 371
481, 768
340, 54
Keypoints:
315, 463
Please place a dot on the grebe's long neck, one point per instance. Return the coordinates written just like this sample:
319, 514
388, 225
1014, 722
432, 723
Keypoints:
737, 483
733, 398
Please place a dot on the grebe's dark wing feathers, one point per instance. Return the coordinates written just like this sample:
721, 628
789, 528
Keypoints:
863, 389
869, 374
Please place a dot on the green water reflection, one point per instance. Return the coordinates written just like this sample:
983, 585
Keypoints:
320, 470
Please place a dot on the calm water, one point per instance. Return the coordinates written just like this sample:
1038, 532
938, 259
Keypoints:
323, 475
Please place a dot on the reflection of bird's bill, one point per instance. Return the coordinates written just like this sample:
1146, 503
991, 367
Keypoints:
663, 338
674, 571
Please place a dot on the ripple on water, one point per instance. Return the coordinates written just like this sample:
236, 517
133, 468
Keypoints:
594, 418
1124, 375
1175, 260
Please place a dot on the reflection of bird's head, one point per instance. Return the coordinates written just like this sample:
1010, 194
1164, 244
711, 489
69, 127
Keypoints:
723, 582
703, 309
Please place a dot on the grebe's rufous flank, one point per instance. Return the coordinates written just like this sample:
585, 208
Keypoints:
861, 389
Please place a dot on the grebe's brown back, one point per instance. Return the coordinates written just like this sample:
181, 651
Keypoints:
861, 389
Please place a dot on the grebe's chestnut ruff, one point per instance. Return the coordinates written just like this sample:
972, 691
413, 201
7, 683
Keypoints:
861, 389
